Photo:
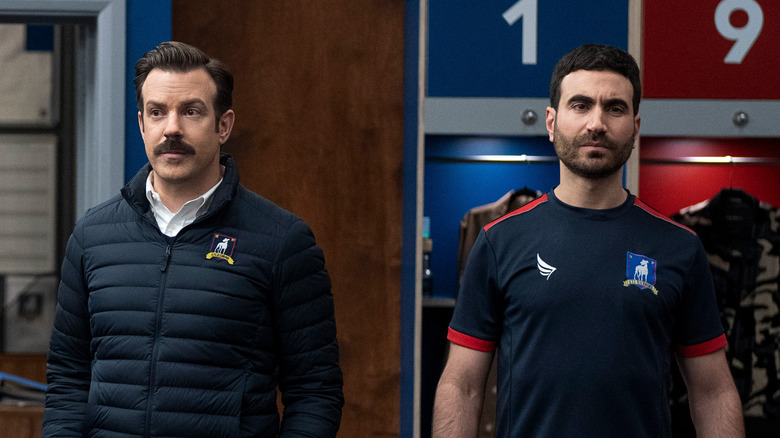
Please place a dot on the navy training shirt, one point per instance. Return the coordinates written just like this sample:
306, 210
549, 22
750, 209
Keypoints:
585, 308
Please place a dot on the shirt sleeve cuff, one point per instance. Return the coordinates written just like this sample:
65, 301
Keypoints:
471, 342
703, 348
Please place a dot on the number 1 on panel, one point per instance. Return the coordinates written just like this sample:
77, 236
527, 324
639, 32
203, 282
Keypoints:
525, 9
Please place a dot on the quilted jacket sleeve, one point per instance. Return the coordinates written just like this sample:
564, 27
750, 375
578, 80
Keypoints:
68, 363
310, 378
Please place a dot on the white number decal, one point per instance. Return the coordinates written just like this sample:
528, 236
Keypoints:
743, 37
525, 9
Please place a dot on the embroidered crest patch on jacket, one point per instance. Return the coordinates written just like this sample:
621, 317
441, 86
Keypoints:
222, 247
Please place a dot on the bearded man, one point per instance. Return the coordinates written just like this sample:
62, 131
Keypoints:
584, 347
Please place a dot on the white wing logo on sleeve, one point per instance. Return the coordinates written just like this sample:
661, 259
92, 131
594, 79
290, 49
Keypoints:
544, 268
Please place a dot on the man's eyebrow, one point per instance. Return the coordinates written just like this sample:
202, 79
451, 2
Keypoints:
194, 101
581, 98
616, 101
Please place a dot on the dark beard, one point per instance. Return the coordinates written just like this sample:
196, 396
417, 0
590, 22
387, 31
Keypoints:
174, 145
609, 161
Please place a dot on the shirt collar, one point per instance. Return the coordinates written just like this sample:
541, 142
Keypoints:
171, 223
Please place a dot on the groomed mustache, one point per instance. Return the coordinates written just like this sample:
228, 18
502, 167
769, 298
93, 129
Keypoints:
174, 145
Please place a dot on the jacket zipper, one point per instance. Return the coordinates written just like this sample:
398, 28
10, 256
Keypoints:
166, 259
156, 337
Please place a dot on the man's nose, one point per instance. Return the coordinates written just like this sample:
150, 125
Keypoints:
172, 127
596, 122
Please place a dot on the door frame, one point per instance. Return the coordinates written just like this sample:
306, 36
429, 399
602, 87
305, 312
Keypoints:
100, 118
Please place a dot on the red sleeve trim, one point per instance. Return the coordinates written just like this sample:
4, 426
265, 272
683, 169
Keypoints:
703, 348
470, 341
639, 203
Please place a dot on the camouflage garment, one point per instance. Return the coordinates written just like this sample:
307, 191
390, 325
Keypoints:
742, 237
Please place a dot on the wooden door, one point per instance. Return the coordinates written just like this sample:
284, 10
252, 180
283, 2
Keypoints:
319, 104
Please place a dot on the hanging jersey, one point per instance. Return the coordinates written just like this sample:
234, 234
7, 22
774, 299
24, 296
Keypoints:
584, 308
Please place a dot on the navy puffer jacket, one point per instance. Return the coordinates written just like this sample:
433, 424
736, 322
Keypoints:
190, 336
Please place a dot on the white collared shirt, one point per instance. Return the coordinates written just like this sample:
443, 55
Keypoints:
171, 223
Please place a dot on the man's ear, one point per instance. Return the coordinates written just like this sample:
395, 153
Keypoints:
141, 123
637, 122
550, 122
225, 126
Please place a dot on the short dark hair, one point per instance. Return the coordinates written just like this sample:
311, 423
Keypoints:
596, 57
179, 57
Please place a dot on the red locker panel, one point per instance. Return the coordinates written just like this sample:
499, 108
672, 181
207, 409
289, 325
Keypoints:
668, 183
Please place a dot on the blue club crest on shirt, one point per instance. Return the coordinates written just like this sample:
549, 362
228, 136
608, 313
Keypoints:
640, 272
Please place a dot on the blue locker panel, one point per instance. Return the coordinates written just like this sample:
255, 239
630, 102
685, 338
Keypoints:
481, 49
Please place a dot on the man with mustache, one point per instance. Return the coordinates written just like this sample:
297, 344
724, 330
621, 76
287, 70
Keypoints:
187, 300
587, 293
